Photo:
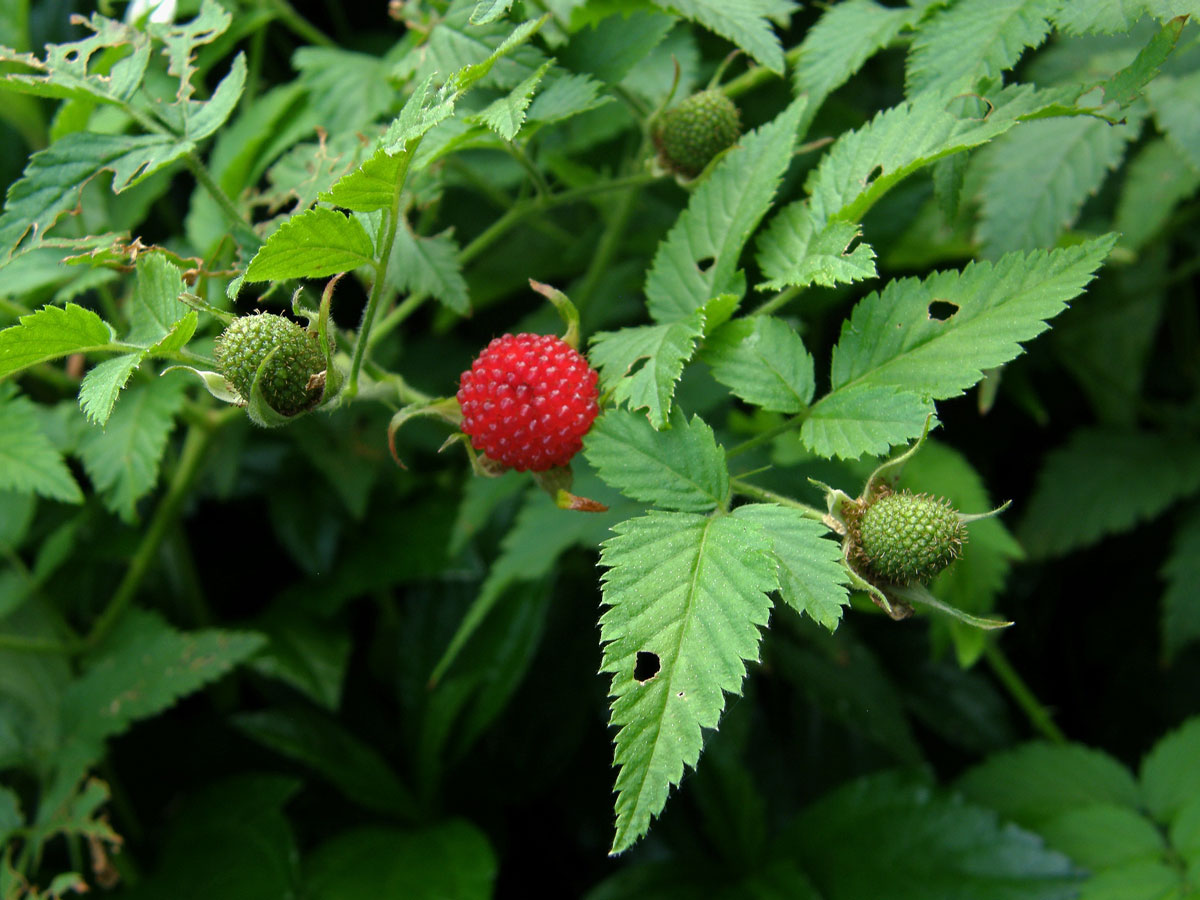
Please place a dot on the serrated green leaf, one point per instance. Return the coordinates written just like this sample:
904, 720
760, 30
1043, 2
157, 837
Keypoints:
1105, 482
762, 360
489, 11
100, 387
1159, 177
959, 43
181, 332
52, 332
1108, 16
812, 578
665, 349
1169, 774
844, 38
1037, 178
864, 164
742, 22
143, 667
506, 115
321, 743
567, 96
429, 265
122, 459
314, 244
897, 338
451, 860
698, 258
1181, 601
1126, 85
1176, 105
681, 467
155, 308
1103, 836
29, 462
54, 177
688, 592
64, 71
1037, 782
864, 419
610, 48
793, 251
374, 185
880, 830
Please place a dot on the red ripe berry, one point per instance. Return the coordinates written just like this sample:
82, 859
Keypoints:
528, 400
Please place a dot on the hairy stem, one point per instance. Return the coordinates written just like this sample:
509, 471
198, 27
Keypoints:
765, 437
377, 290
754, 492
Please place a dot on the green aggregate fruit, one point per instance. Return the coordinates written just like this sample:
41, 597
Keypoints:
692, 133
908, 537
243, 346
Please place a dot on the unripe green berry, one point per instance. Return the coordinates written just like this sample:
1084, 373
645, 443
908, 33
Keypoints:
692, 133
909, 537
243, 346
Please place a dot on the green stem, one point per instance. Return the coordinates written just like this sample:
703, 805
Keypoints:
191, 459
746, 489
377, 289
756, 75
1038, 715
22, 644
299, 25
606, 250
525, 208
785, 296
397, 315
539, 183
204, 179
765, 437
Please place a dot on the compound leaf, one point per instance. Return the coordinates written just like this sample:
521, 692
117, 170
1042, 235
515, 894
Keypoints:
54, 177
1170, 776
1108, 16
1037, 178
844, 38
959, 43
156, 308
796, 250
864, 418
698, 258
1181, 602
812, 578
763, 361
681, 468
1176, 105
29, 462
123, 458
489, 11
52, 332
1159, 177
1105, 482
314, 244
429, 265
100, 387
665, 348
687, 595
742, 22
936, 336
922, 844
506, 115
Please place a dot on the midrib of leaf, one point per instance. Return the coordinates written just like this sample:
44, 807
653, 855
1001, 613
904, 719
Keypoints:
693, 588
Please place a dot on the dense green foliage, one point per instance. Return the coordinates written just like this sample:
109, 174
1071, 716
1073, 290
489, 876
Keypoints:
245, 652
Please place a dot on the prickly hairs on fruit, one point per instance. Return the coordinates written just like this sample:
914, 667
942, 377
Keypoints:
287, 384
528, 400
692, 133
904, 537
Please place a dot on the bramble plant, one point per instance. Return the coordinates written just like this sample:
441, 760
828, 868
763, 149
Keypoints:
757, 294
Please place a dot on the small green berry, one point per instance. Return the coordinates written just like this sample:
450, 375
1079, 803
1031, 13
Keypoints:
692, 133
243, 346
908, 537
